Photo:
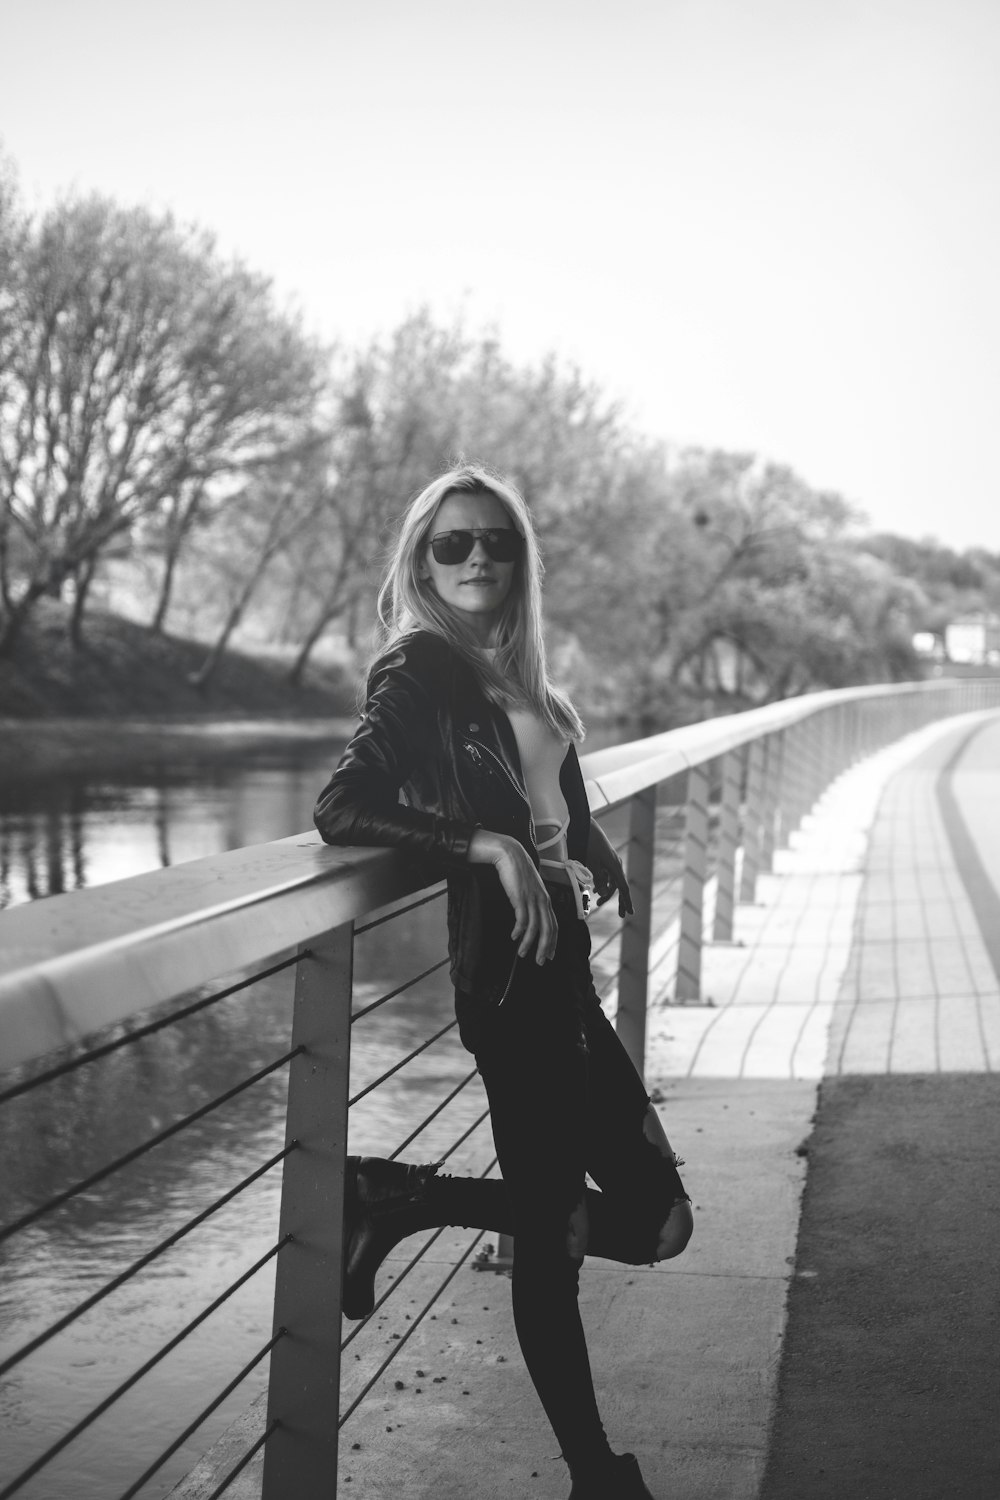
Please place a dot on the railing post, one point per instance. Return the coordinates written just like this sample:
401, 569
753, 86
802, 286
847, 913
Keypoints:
300, 1457
633, 975
753, 821
838, 743
688, 982
729, 821
850, 715
816, 775
772, 798
841, 741
794, 772
793, 768
821, 727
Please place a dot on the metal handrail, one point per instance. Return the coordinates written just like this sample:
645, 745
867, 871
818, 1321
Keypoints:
73, 964
94, 1054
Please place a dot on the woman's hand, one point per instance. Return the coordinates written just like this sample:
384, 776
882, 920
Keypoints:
607, 870
534, 920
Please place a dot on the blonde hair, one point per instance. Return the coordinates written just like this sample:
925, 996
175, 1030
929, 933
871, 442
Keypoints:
517, 676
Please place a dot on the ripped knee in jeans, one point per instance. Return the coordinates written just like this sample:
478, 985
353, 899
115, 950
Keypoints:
675, 1221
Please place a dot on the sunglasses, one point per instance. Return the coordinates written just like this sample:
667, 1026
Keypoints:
501, 544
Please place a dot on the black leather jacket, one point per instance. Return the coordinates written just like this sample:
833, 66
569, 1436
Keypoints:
430, 736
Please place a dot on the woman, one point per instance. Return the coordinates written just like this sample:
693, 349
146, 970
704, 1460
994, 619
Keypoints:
461, 718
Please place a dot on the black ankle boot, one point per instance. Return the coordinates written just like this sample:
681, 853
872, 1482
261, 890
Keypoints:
382, 1204
617, 1479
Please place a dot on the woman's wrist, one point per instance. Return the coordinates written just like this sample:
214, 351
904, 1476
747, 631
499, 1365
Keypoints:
487, 847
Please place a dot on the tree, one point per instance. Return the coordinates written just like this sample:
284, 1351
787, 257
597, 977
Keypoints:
143, 377
719, 578
261, 522
396, 425
952, 583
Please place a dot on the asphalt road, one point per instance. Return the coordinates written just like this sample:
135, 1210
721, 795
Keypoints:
889, 1386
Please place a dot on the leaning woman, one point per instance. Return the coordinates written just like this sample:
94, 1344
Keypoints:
466, 761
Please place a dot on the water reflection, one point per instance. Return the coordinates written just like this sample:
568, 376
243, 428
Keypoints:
63, 833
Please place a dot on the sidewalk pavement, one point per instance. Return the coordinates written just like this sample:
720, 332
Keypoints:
863, 955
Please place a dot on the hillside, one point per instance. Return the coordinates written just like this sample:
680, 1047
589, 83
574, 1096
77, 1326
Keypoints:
122, 671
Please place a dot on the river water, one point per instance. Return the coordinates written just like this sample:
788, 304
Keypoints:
66, 831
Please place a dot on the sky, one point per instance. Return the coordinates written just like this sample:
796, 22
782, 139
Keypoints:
761, 225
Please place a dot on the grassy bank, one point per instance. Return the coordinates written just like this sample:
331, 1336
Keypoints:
123, 671
124, 703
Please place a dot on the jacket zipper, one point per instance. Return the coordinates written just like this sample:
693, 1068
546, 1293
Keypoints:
519, 790
493, 756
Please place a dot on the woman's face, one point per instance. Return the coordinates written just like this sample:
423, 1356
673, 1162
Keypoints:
478, 586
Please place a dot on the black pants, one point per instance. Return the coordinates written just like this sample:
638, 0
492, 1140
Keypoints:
565, 1100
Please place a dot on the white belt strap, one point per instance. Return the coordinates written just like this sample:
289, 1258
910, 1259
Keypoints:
569, 872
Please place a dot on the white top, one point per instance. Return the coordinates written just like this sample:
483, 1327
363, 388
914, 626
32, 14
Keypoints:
542, 753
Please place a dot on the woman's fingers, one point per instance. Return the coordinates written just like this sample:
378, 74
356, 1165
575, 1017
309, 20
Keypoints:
548, 932
534, 922
540, 928
530, 933
611, 877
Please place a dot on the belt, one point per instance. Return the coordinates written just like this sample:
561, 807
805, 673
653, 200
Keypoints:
572, 875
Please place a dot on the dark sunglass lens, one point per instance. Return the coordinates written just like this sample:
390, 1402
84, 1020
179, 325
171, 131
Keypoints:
452, 547
503, 545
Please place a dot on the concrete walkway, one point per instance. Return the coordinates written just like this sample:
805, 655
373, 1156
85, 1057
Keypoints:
864, 954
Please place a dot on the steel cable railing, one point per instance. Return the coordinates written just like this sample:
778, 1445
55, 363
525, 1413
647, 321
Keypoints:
401, 911
394, 1287
470, 1130
415, 1323
396, 1067
432, 1115
661, 958
666, 883
412, 1328
400, 989
202, 1417
237, 1469
669, 854
93, 1054
613, 936
71, 1065
138, 1265
437, 1110
137, 1151
374, 1084
137, 1375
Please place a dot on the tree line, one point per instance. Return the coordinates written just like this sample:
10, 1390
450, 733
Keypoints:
166, 424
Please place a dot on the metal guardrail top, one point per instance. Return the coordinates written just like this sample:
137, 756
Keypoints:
622, 770
73, 964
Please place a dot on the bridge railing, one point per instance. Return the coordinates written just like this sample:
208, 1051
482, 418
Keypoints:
698, 814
